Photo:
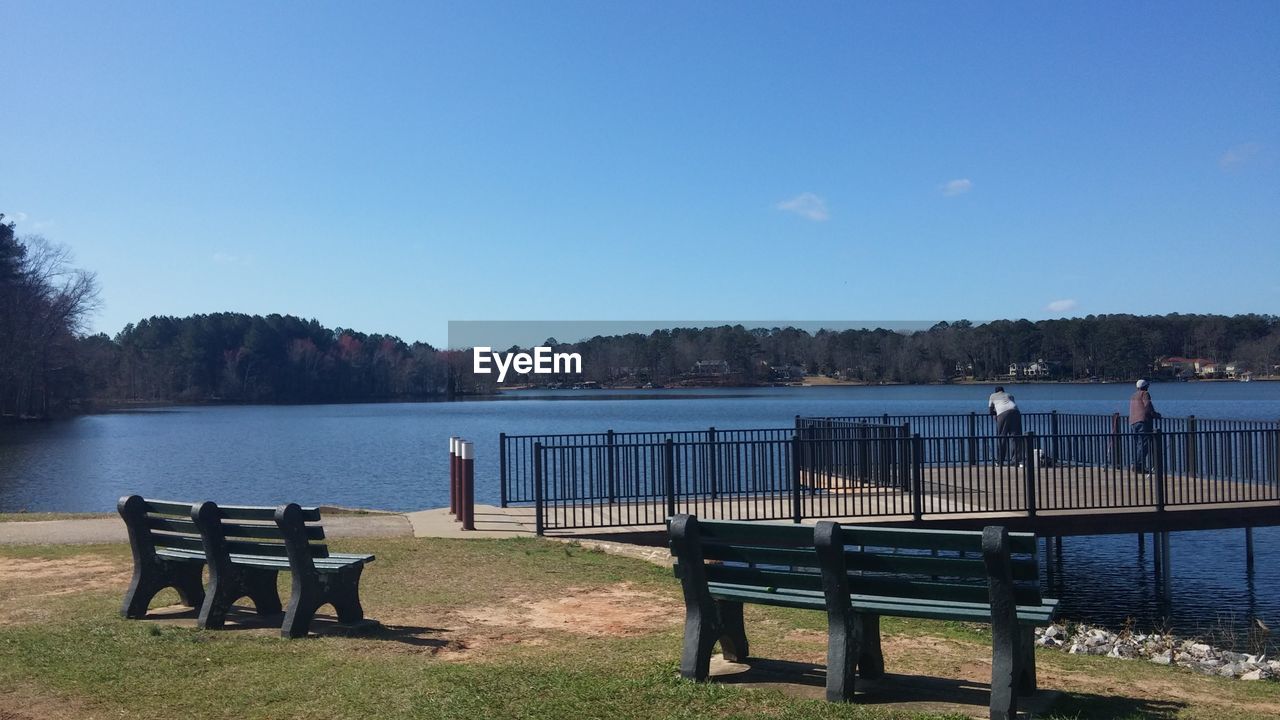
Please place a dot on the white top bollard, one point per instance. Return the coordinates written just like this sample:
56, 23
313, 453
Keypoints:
453, 446
467, 450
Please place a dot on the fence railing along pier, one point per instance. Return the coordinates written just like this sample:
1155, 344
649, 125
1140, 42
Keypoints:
877, 467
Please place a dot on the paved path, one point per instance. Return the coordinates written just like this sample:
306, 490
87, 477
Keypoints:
82, 531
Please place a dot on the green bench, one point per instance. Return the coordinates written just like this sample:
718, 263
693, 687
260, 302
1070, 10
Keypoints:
245, 549
856, 575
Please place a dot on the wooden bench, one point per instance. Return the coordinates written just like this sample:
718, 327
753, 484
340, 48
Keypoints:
245, 548
856, 575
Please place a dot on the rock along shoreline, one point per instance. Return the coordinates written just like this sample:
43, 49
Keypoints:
1161, 649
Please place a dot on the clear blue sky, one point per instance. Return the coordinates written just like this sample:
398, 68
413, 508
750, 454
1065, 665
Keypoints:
392, 166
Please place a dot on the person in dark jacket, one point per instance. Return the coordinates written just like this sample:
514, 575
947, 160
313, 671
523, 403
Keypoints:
1142, 417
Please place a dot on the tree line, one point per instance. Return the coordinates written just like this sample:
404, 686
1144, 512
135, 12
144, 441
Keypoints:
1103, 346
44, 303
48, 365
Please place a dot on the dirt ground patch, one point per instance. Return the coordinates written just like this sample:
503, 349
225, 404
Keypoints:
26, 704
25, 581
949, 659
470, 633
616, 611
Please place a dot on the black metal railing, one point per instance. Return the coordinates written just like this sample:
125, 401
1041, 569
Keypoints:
845, 468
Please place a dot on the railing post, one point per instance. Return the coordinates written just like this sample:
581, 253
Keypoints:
797, 507
972, 445
1116, 460
502, 469
453, 475
917, 476
1054, 432
1029, 472
1190, 450
713, 462
611, 457
1275, 459
539, 525
863, 434
905, 462
1157, 442
669, 473
468, 467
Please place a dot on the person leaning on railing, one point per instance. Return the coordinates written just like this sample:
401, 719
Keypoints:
1008, 426
1142, 419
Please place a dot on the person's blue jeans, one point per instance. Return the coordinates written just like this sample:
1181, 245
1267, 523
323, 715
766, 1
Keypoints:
1142, 430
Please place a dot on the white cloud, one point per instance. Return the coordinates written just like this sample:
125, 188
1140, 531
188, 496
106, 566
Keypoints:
1239, 155
959, 186
17, 217
1061, 306
806, 205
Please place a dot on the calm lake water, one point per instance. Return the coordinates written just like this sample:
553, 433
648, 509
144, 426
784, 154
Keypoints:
394, 457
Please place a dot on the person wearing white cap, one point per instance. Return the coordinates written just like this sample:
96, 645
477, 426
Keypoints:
1142, 417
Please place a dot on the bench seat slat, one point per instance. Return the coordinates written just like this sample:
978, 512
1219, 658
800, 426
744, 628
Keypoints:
267, 561
971, 612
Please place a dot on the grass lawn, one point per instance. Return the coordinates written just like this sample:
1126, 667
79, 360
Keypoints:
488, 628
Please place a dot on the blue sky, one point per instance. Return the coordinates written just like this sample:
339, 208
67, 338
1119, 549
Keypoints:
393, 166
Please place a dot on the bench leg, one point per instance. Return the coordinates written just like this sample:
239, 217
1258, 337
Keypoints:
260, 586
1027, 657
870, 657
733, 636
701, 630
221, 595
1006, 657
188, 580
346, 596
149, 580
306, 597
842, 652
142, 588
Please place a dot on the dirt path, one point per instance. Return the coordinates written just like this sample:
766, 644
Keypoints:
86, 531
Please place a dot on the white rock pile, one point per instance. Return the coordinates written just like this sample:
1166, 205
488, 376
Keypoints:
1159, 649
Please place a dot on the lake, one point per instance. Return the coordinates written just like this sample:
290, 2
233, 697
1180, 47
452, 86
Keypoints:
394, 456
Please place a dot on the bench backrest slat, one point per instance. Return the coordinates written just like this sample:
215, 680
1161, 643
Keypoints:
262, 514
912, 539
739, 532
774, 579
933, 566
760, 555
167, 507
178, 542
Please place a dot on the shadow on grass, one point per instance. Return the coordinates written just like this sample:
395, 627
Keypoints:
241, 618
1112, 707
809, 681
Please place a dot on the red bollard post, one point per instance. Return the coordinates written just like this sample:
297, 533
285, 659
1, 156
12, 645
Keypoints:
453, 476
467, 459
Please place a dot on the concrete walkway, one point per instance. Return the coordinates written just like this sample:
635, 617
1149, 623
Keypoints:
83, 531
